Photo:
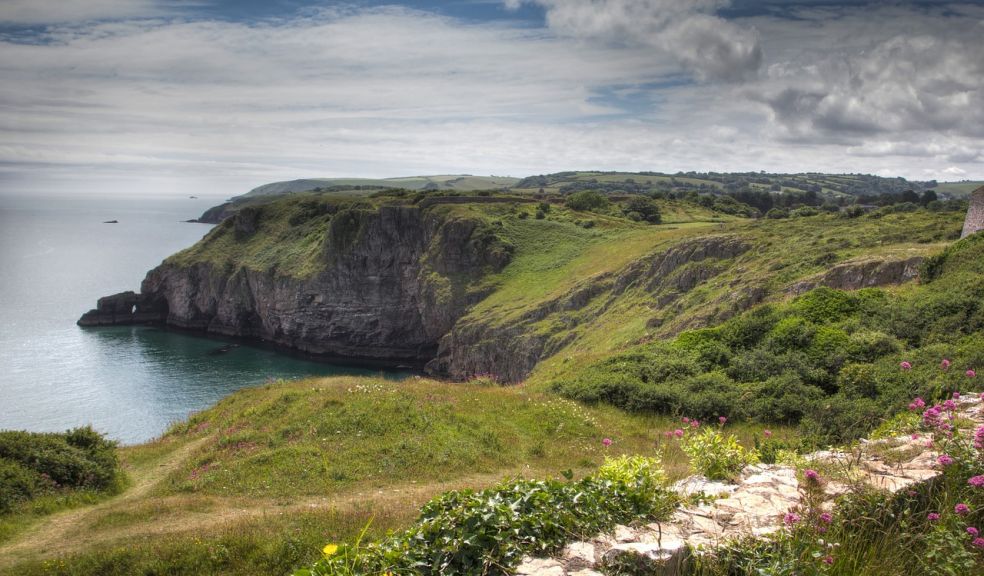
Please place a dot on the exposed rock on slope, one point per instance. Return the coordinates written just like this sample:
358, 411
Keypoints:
865, 273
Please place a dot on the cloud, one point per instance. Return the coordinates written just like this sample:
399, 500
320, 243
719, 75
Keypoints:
916, 72
206, 105
687, 31
31, 12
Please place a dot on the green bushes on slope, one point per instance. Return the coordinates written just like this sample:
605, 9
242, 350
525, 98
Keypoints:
489, 531
32, 464
829, 359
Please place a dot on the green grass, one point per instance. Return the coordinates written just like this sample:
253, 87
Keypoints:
292, 465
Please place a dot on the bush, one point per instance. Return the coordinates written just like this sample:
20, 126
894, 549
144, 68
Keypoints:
489, 531
825, 305
17, 484
586, 200
641, 208
79, 458
716, 456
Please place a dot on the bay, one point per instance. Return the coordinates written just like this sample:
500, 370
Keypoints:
57, 257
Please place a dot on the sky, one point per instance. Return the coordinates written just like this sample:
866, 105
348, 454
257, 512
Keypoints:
220, 96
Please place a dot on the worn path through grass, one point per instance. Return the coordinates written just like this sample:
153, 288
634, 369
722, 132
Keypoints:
64, 529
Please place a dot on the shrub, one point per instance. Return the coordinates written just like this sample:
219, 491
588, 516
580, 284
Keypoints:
489, 531
17, 484
716, 456
586, 200
644, 209
825, 305
782, 399
80, 458
870, 345
792, 332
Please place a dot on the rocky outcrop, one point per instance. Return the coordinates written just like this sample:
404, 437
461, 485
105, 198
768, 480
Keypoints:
974, 221
125, 308
217, 214
754, 506
395, 280
867, 273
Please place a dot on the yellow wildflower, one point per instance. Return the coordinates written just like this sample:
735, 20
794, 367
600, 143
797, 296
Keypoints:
330, 549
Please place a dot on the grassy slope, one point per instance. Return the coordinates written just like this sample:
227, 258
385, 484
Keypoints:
784, 251
256, 484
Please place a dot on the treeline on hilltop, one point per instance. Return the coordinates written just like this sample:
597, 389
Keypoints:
753, 194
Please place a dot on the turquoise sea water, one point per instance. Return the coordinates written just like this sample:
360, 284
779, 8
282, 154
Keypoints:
57, 257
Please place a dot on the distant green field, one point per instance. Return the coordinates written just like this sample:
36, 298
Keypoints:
458, 182
959, 189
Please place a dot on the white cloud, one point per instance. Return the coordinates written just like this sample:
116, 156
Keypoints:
203, 105
686, 31
890, 73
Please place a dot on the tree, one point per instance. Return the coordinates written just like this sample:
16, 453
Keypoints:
586, 200
642, 208
927, 197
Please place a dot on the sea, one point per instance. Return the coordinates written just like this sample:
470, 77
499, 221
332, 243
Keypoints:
57, 257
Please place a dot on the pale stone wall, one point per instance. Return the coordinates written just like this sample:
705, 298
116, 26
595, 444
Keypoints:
975, 214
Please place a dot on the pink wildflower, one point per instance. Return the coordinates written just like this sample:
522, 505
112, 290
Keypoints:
694, 423
970, 374
812, 475
978, 542
931, 417
826, 517
767, 433
950, 405
678, 433
791, 518
828, 559
917, 404
945, 364
686, 420
607, 442
961, 509
973, 531
915, 436
956, 395
976, 481
905, 366
932, 516
979, 438
722, 419
945, 460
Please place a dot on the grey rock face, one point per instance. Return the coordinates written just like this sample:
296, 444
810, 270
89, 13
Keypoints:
125, 308
974, 222
395, 282
863, 274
